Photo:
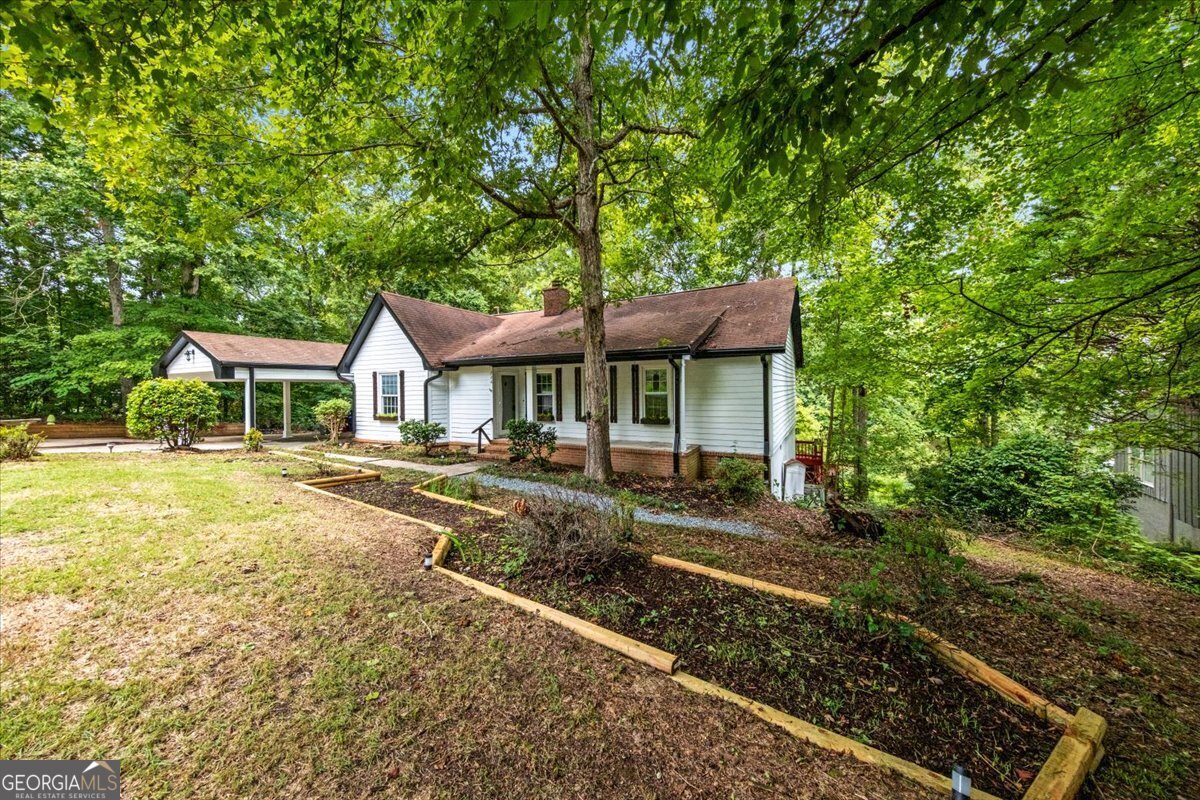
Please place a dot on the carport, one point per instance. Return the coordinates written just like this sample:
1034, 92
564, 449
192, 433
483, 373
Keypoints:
199, 355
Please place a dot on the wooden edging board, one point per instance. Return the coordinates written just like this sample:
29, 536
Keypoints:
425, 523
952, 656
659, 659
824, 738
421, 490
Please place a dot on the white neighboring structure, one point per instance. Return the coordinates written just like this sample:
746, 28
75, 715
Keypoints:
251, 360
696, 376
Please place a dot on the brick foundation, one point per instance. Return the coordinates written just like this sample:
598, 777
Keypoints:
644, 460
709, 459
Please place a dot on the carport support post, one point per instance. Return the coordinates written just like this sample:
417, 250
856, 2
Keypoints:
248, 402
287, 409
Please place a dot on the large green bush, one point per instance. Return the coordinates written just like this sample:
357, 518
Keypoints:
176, 413
1026, 480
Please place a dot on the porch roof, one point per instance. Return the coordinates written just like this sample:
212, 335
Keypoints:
227, 352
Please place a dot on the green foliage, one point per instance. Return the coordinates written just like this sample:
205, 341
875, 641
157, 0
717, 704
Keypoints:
915, 563
1025, 480
174, 412
331, 415
18, 444
530, 439
425, 434
739, 481
253, 440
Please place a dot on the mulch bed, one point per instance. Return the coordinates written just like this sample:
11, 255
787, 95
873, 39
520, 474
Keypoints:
398, 496
796, 658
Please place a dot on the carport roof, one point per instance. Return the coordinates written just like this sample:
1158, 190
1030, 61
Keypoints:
228, 350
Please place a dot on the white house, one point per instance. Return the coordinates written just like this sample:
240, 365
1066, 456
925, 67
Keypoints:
696, 375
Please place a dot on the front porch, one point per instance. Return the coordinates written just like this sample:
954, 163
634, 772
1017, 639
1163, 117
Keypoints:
627, 456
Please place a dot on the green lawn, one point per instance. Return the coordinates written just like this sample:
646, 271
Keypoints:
226, 634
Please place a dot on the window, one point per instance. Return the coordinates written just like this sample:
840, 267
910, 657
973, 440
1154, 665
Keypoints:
543, 387
1141, 465
389, 394
654, 395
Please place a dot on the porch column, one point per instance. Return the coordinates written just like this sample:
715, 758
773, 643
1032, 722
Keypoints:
248, 401
530, 398
287, 409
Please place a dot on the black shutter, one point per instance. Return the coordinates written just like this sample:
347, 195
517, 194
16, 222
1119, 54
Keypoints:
375, 395
612, 393
633, 372
579, 394
558, 390
400, 389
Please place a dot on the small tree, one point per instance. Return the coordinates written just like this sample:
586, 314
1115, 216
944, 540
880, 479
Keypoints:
332, 415
527, 438
176, 413
425, 434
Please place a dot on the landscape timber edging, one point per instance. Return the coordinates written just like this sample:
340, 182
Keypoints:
1077, 752
823, 737
660, 660
951, 655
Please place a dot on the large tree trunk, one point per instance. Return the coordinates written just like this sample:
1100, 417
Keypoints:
189, 279
116, 288
598, 465
859, 490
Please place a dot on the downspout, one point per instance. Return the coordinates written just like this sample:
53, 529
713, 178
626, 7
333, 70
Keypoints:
675, 445
253, 416
766, 394
437, 373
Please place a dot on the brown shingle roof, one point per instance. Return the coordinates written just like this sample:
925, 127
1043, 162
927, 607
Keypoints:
261, 351
741, 317
437, 330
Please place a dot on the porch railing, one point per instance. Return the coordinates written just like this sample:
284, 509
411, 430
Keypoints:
481, 434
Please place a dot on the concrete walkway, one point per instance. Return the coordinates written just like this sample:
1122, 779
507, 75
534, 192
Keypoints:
453, 470
211, 443
602, 503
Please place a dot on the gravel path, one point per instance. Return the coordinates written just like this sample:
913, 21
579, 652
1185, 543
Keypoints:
602, 503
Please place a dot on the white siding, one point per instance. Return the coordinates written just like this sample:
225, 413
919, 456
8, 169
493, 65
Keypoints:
783, 413
624, 430
725, 404
199, 367
470, 401
386, 349
439, 400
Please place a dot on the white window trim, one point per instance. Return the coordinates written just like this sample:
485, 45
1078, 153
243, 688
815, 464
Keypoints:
1138, 460
538, 394
665, 393
383, 396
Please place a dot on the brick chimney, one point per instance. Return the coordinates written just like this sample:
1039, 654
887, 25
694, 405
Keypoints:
554, 299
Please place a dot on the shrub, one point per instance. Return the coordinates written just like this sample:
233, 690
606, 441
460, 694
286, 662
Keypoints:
557, 539
18, 444
253, 440
331, 415
1025, 479
175, 412
530, 439
915, 562
425, 434
739, 480
51, 419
